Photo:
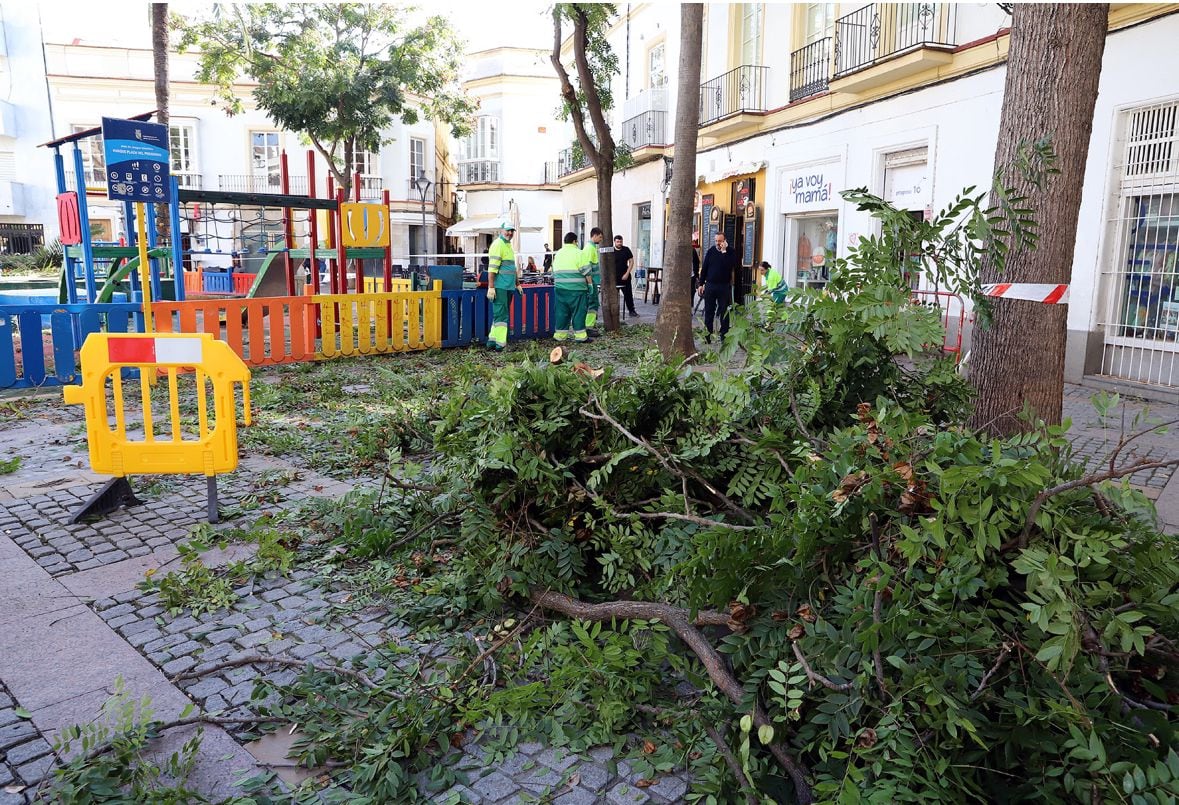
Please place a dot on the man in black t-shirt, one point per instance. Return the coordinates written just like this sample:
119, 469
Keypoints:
624, 265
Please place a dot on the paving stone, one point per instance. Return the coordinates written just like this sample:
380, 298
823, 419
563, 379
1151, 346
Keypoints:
273, 595
541, 776
627, 794
238, 675
11, 799
139, 626
671, 788
6, 778
222, 636
88, 564
143, 636
15, 734
557, 759
25, 752
122, 620
34, 770
594, 776
205, 688
178, 665
128, 596
163, 644
184, 624
253, 640
152, 611
305, 650
495, 787
187, 647
577, 796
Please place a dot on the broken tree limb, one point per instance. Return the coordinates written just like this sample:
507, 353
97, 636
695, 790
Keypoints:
680, 622
258, 659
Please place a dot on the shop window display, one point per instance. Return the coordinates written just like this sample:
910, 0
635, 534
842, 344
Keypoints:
813, 248
1149, 304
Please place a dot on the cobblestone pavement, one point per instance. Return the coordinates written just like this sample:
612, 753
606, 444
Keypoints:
25, 755
1093, 439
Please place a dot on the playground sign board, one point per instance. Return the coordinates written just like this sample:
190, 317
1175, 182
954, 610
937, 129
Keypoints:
137, 160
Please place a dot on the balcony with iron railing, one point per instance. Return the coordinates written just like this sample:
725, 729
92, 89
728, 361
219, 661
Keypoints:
740, 90
810, 69
570, 161
188, 180
371, 187
550, 173
260, 183
898, 38
478, 171
643, 130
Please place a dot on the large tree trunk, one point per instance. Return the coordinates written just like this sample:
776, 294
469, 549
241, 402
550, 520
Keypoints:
159, 54
673, 328
1052, 77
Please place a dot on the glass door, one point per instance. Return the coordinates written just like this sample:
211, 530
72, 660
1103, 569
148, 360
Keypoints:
265, 162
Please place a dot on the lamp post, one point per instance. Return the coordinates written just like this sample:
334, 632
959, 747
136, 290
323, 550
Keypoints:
423, 185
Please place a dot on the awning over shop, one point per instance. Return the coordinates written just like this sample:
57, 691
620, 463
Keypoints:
484, 225
732, 169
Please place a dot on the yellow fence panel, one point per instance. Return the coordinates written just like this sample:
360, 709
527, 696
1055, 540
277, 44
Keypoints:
379, 323
187, 427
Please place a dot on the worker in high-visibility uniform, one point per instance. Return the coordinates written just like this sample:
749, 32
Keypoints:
590, 254
773, 283
573, 281
502, 282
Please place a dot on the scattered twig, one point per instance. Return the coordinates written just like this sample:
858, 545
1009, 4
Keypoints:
496, 645
1004, 653
400, 484
877, 550
731, 761
1125, 440
691, 518
817, 677
417, 532
816, 443
680, 623
257, 659
1088, 480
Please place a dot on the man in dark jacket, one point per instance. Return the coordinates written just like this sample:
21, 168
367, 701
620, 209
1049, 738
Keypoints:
716, 284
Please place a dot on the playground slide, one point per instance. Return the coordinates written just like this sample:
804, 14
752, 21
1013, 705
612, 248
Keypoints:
117, 277
271, 279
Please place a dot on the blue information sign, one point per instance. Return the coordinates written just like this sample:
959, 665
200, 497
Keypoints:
137, 160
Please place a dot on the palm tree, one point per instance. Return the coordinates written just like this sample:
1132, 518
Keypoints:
673, 328
159, 54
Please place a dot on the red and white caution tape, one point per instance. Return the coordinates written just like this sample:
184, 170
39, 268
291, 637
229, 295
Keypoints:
1029, 292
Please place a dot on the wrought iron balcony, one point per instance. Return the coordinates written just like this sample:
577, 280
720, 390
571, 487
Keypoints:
188, 180
94, 177
570, 161
648, 128
478, 171
260, 183
881, 30
742, 89
810, 69
371, 187
550, 173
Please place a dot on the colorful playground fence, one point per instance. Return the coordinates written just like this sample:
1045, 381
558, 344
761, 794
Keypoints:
268, 330
263, 332
39, 343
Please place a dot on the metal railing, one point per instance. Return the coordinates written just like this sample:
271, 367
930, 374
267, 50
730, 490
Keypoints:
810, 69
550, 173
571, 161
94, 178
189, 180
478, 171
371, 187
249, 183
647, 128
742, 89
880, 30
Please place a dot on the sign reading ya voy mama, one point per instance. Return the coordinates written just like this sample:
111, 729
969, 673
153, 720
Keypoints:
811, 188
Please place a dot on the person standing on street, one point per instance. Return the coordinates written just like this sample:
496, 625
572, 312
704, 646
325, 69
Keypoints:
590, 253
624, 263
716, 285
502, 282
547, 260
572, 281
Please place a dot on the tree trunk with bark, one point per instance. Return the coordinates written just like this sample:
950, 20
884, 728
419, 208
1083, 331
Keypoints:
159, 54
600, 154
673, 328
1052, 75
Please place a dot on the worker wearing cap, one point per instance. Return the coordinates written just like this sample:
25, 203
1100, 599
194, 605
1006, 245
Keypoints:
502, 282
590, 258
573, 282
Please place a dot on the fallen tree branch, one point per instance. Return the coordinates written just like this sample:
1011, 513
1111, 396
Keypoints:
417, 532
726, 752
1125, 440
817, 677
815, 443
679, 622
982, 684
257, 659
691, 518
1088, 480
400, 484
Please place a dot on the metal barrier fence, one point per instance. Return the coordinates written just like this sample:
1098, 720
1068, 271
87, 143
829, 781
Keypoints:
39, 343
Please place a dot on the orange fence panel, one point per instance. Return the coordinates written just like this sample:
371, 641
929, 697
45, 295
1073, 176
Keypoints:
263, 331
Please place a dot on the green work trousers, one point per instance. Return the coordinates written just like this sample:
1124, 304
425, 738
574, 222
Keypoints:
571, 312
500, 307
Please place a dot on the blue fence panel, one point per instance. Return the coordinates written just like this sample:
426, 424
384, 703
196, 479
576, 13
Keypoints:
217, 281
467, 315
23, 349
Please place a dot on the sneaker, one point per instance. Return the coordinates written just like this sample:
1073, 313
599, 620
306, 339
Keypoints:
635, 315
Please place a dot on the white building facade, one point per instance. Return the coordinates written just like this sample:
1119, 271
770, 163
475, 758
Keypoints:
799, 102
66, 87
507, 166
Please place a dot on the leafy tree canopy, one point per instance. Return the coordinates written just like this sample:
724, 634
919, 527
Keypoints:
603, 61
339, 73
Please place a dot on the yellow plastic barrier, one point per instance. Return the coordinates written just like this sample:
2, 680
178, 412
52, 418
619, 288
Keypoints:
374, 324
208, 450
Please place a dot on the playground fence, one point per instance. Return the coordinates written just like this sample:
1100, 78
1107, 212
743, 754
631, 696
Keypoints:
39, 343
373, 324
263, 332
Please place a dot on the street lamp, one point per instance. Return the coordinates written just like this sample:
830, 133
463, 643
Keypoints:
423, 185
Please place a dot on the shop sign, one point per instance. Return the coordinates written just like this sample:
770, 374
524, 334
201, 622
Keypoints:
811, 188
